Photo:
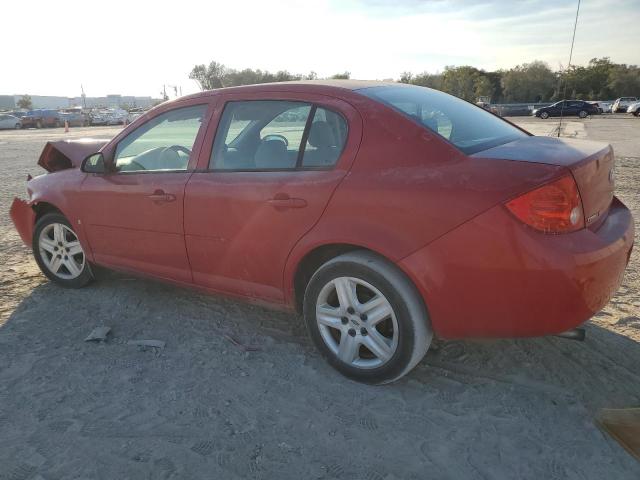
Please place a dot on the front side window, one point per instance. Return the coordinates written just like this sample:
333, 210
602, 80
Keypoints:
268, 135
163, 143
470, 128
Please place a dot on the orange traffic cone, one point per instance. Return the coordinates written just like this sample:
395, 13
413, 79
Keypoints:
66, 126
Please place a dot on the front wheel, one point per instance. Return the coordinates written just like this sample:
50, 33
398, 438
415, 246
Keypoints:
58, 252
544, 115
366, 318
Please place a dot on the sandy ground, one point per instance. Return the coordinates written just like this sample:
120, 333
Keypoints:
204, 407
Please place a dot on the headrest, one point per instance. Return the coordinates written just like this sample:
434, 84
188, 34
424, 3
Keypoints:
272, 154
321, 136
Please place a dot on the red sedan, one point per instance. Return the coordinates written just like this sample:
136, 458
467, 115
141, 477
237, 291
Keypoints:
385, 213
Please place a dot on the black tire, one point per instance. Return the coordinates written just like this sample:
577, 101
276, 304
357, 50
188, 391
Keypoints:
18, 126
544, 115
582, 114
85, 276
414, 328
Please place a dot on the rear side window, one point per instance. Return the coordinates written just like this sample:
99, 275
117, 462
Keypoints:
327, 136
469, 127
270, 135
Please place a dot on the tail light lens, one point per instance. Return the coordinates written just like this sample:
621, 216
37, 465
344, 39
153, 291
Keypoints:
553, 208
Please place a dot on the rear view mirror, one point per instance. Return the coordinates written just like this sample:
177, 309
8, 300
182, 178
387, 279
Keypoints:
94, 164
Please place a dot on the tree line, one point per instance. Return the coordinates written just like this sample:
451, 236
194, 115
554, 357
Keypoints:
217, 75
601, 79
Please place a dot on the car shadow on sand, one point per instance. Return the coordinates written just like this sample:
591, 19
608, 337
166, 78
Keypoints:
240, 391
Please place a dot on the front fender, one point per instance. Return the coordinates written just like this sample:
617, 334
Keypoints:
24, 219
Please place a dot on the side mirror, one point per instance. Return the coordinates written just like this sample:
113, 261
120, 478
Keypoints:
94, 163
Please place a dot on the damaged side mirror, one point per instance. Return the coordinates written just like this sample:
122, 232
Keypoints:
94, 164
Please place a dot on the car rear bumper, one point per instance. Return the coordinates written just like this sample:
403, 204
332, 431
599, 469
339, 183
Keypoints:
23, 218
495, 277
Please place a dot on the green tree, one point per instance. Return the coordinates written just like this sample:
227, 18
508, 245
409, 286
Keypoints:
25, 102
406, 77
529, 82
209, 77
341, 76
624, 80
424, 79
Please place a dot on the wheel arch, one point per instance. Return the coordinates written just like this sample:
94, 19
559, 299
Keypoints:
42, 208
315, 257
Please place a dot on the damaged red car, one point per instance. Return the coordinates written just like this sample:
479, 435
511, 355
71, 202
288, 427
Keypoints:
385, 214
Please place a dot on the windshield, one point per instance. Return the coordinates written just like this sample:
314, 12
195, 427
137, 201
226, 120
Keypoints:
467, 126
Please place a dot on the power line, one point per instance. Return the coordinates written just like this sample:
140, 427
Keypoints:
564, 92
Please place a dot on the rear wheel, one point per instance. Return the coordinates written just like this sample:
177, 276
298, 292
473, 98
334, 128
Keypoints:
582, 114
366, 318
18, 126
58, 252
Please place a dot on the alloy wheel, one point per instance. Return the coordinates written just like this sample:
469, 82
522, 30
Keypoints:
61, 252
357, 322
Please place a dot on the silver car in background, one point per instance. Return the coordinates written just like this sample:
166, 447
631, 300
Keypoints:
9, 121
622, 103
634, 109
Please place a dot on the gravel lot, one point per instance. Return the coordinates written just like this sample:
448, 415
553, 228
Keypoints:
205, 407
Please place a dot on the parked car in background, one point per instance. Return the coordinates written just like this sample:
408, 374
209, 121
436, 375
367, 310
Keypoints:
74, 118
272, 193
17, 113
117, 117
41, 118
634, 109
132, 115
605, 106
98, 118
567, 108
9, 121
622, 103
598, 106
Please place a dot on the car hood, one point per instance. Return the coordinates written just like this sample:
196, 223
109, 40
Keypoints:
63, 154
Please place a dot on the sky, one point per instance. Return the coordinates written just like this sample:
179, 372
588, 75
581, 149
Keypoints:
135, 47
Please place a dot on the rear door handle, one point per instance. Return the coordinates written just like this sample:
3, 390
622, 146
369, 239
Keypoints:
282, 200
160, 196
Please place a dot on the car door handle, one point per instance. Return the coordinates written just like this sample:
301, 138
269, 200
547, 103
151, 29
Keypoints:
285, 201
160, 196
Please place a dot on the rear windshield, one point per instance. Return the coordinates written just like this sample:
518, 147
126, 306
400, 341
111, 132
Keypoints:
468, 127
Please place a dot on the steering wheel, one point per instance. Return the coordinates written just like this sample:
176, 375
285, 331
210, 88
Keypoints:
131, 166
276, 136
178, 148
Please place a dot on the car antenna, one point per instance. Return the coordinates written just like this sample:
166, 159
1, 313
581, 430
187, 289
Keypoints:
564, 91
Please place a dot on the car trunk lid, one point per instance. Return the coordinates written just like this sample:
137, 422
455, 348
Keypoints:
591, 164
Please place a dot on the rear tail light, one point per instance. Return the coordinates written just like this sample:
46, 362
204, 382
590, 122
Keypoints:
553, 208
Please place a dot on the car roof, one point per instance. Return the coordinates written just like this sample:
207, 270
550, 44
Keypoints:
307, 86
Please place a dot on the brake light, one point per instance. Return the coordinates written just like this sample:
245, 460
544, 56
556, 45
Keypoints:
553, 208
